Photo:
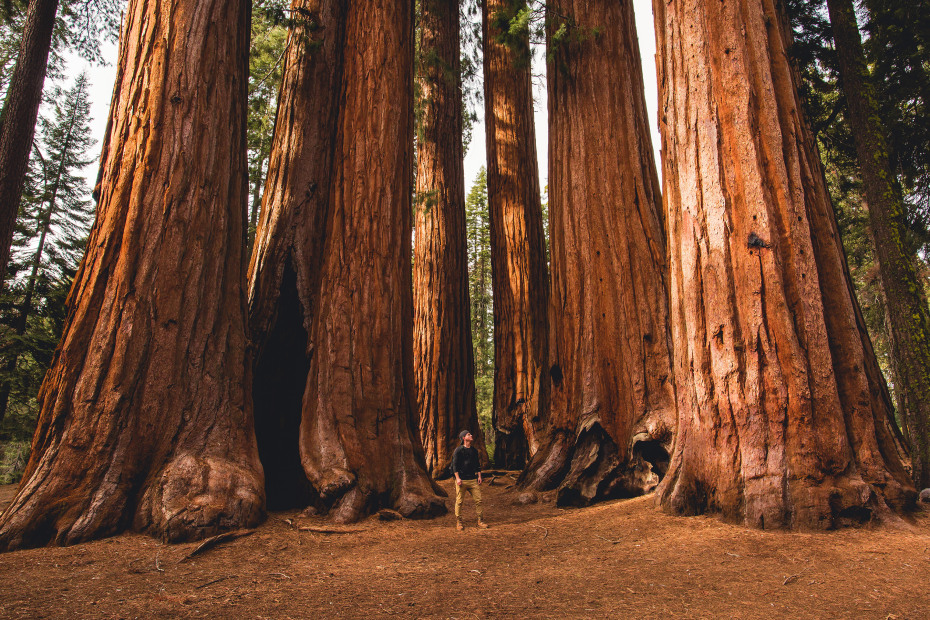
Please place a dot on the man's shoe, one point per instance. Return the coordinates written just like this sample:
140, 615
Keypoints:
482, 525
459, 526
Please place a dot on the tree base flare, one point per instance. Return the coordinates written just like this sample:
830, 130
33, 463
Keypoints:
198, 497
775, 503
590, 468
193, 498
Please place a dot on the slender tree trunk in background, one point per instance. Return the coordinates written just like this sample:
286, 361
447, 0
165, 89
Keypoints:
256, 203
907, 304
19, 115
330, 280
612, 400
518, 250
25, 309
145, 415
443, 359
782, 408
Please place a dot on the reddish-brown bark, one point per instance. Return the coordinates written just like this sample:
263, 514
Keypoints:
443, 359
782, 410
330, 296
145, 418
518, 250
612, 401
20, 111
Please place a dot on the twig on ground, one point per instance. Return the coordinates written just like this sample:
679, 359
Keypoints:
281, 575
328, 530
794, 577
157, 566
613, 542
217, 580
213, 541
544, 529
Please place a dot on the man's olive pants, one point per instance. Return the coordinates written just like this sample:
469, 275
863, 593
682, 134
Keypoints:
474, 489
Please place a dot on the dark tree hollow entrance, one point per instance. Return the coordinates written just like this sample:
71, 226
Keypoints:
280, 379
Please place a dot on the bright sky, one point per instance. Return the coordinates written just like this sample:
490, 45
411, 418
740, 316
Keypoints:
102, 77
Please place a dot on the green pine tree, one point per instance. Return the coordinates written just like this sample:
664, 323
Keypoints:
52, 227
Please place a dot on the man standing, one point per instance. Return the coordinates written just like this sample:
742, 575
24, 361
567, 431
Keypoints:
467, 471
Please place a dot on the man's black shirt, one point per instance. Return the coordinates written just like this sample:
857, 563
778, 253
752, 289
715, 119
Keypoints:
465, 462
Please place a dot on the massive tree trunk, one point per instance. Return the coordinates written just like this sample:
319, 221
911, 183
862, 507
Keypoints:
146, 418
284, 273
612, 400
907, 305
443, 359
20, 112
330, 280
518, 251
782, 408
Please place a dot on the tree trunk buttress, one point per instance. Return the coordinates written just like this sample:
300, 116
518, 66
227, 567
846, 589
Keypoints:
332, 258
518, 250
909, 318
145, 415
612, 400
443, 358
782, 410
20, 113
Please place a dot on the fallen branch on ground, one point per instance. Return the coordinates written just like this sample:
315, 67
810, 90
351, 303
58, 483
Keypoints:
213, 541
328, 530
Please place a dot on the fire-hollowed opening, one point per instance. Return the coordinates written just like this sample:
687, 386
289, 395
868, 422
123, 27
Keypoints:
654, 453
280, 378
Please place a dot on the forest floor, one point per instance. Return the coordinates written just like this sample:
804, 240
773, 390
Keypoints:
620, 559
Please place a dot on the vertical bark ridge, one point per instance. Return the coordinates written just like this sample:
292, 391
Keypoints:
444, 364
781, 420
518, 254
613, 405
145, 420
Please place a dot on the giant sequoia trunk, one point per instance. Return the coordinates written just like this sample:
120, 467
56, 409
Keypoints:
443, 358
146, 418
330, 280
20, 111
611, 401
518, 251
782, 408
284, 274
908, 315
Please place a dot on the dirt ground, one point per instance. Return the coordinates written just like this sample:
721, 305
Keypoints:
621, 559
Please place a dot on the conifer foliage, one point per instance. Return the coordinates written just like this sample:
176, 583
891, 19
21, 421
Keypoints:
55, 217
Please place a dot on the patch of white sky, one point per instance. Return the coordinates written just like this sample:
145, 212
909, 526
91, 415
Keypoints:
102, 76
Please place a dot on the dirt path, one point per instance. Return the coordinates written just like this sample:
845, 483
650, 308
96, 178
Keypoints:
622, 559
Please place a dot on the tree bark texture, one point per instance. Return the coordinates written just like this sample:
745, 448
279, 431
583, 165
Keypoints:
907, 305
145, 419
612, 399
782, 408
518, 251
20, 113
443, 359
330, 280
